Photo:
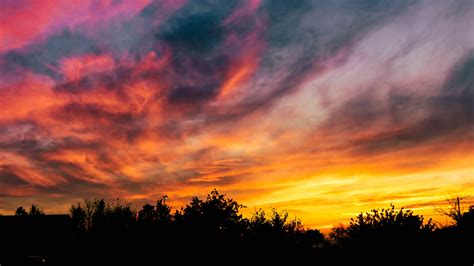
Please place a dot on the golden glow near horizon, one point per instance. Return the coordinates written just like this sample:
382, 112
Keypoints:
324, 110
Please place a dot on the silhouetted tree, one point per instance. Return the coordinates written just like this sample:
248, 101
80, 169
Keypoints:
281, 221
215, 220
259, 224
467, 219
95, 214
454, 211
312, 239
339, 234
456, 239
20, 211
119, 216
386, 229
99, 216
163, 212
112, 232
278, 221
78, 217
277, 232
216, 213
35, 211
147, 214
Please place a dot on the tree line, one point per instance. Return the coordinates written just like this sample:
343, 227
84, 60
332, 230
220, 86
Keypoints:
212, 228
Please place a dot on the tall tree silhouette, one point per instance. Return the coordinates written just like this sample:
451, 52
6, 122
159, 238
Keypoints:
163, 212
78, 217
35, 211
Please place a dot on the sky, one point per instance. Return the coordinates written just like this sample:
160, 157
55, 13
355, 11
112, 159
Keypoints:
321, 108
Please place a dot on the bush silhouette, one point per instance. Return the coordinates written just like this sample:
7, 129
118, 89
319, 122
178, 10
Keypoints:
387, 230
112, 232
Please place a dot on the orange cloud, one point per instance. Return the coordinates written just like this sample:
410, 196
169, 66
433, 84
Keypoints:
74, 68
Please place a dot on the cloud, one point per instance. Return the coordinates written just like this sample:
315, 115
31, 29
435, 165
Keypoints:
133, 99
394, 121
25, 22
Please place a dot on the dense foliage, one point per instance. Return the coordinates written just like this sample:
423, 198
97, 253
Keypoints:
214, 229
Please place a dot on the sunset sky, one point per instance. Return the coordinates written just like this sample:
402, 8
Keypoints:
321, 108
